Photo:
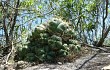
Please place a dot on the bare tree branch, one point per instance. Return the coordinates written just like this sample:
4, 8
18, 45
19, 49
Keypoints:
14, 19
104, 17
87, 60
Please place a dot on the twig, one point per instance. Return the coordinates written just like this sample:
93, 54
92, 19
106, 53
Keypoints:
88, 60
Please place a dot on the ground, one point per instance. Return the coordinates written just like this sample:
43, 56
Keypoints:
89, 61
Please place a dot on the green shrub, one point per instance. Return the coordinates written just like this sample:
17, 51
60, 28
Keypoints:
50, 41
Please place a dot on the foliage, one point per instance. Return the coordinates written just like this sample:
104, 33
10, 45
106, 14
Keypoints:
83, 14
50, 41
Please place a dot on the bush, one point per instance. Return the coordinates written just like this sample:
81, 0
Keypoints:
50, 41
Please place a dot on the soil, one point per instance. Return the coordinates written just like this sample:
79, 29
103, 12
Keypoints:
90, 60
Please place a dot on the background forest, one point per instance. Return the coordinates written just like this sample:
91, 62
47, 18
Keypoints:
19, 18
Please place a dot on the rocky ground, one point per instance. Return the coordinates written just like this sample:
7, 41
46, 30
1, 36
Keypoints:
90, 61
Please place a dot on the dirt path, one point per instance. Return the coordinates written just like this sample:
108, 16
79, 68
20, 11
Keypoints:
97, 63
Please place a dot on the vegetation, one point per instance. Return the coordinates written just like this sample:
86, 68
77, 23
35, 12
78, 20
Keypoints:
50, 41
28, 32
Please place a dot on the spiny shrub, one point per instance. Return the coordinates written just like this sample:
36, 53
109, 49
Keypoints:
50, 41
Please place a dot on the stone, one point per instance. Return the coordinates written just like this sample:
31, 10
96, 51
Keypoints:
60, 63
44, 69
106, 68
2, 67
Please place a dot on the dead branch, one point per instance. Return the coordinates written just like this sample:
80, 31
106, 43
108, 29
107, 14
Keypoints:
88, 60
100, 48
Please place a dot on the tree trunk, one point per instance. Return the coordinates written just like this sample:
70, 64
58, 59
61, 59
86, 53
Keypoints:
8, 31
104, 33
101, 41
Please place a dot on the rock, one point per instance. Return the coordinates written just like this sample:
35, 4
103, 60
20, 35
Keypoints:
106, 67
20, 62
44, 69
60, 63
55, 69
2, 67
109, 56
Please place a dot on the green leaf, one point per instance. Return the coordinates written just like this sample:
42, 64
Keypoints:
81, 1
27, 3
71, 1
0, 14
84, 26
40, 6
108, 10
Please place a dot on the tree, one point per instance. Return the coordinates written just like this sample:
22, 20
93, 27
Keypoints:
9, 16
16, 14
85, 16
104, 32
